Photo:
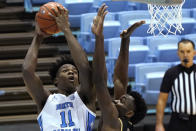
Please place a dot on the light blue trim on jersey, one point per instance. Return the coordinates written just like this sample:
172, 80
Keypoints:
90, 121
40, 123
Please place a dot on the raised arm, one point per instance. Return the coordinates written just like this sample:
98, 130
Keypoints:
121, 67
78, 55
109, 112
32, 81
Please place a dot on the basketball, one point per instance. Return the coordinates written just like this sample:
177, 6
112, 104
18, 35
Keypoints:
46, 23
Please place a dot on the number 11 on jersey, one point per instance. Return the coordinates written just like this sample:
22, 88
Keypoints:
63, 118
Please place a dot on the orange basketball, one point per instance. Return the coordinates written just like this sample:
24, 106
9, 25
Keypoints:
46, 23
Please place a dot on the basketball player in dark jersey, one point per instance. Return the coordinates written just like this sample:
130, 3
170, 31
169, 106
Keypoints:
115, 115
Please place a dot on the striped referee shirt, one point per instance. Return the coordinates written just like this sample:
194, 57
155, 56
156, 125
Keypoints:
181, 82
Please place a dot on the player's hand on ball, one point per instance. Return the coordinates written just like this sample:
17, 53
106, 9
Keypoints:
39, 32
62, 18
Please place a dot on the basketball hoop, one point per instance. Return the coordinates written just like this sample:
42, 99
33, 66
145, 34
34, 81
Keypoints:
165, 19
166, 16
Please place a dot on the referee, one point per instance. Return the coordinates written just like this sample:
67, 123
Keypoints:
181, 81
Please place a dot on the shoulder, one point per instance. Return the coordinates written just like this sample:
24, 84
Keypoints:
173, 70
61, 97
194, 68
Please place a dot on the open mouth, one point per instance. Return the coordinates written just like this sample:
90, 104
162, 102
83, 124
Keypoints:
185, 60
71, 78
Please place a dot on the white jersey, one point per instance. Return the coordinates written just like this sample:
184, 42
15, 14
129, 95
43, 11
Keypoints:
65, 113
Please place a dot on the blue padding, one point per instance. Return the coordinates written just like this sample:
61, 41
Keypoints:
40, 1
114, 45
79, 8
111, 29
87, 18
189, 4
125, 16
128, 18
136, 49
167, 53
141, 6
28, 5
191, 37
148, 77
151, 97
189, 25
186, 13
90, 48
76, 9
131, 70
153, 80
34, 5
74, 20
143, 68
138, 54
86, 37
154, 42
116, 6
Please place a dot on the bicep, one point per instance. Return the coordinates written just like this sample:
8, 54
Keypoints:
163, 96
106, 105
119, 89
162, 100
35, 88
86, 85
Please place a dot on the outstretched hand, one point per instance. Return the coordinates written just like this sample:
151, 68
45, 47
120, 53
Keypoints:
97, 27
61, 17
130, 30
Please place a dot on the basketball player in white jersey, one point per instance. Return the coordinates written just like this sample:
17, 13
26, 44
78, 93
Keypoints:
127, 109
73, 108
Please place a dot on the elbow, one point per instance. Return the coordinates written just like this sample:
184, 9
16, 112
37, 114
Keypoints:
99, 79
27, 75
26, 71
100, 84
25, 68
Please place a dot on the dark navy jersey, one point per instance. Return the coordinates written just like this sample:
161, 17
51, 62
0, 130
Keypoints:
126, 125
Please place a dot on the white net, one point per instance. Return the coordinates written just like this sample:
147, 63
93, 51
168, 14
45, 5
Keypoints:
165, 19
